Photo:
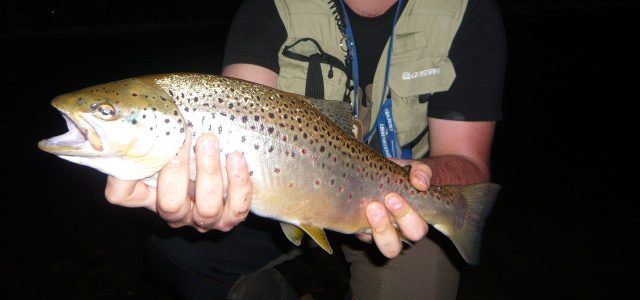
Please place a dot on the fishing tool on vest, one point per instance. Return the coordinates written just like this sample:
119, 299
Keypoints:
385, 125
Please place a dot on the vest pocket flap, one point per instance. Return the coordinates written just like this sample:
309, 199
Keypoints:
418, 76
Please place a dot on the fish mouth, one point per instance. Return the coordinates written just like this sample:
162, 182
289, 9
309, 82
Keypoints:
81, 139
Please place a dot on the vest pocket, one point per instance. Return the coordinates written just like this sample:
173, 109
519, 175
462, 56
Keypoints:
410, 79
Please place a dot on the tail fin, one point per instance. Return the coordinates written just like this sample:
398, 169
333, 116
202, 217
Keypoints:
467, 237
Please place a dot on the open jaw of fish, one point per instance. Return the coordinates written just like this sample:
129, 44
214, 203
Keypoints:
307, 169
81, 139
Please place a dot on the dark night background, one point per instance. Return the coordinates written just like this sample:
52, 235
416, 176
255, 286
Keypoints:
561, 227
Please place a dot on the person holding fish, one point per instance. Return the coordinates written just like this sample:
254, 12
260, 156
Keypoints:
424, 79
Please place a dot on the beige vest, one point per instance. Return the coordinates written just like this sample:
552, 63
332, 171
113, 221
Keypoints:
419, 66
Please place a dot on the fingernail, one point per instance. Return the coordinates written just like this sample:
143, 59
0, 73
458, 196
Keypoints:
394, 203
209, 145
375, 213
237, 160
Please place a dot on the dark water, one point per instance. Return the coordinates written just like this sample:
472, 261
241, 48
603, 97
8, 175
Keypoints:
561, 227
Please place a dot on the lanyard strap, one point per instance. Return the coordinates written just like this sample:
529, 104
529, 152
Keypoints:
355, 70
385, 125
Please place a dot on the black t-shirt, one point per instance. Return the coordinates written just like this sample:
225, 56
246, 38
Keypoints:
478, 53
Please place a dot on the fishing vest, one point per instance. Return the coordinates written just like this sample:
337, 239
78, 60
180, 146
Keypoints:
420, 64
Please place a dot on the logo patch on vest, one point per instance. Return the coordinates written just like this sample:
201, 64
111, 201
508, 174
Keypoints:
419, 74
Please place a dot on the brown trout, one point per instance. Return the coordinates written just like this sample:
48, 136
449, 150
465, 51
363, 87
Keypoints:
307, 169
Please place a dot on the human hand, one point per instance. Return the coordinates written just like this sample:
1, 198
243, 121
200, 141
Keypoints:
204, 209
410, 223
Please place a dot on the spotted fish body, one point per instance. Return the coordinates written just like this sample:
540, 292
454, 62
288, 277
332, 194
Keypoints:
307, 170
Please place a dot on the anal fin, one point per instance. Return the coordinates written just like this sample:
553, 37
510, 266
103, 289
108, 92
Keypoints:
318, 235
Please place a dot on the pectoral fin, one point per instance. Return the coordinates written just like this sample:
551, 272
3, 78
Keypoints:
318, 235
292, 232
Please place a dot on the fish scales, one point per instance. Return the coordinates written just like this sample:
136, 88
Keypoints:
306, 150
306, 170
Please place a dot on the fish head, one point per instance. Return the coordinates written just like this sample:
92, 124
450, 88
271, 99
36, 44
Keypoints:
129, 129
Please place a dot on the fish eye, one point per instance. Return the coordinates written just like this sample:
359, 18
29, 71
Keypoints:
105, 111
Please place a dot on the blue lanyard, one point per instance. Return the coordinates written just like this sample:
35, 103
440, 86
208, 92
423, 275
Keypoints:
355, 70
385, 125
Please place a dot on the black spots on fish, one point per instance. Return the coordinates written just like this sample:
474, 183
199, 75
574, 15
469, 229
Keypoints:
256, 118
171, 93
270, 149
134, 95
281, 124
175, 112
150, 128
222, 113
321, 149
285, 116
250, 173
305, 135
244, 119
295, 137
299, 120
276, 170
179, 121
167, 133
182, 130
380, 186
256, 146
182, 95
315, 128
166, 121
243, 139
195, 99
285, 138
232, 117
303, 151
134, 121
290, 184
272, 115
220, 100
270, 130
220, 129
213, 115
230, 106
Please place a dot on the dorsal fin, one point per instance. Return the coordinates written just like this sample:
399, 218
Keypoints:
339, 112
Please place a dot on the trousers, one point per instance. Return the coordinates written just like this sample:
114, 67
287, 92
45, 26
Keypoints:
241, 264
